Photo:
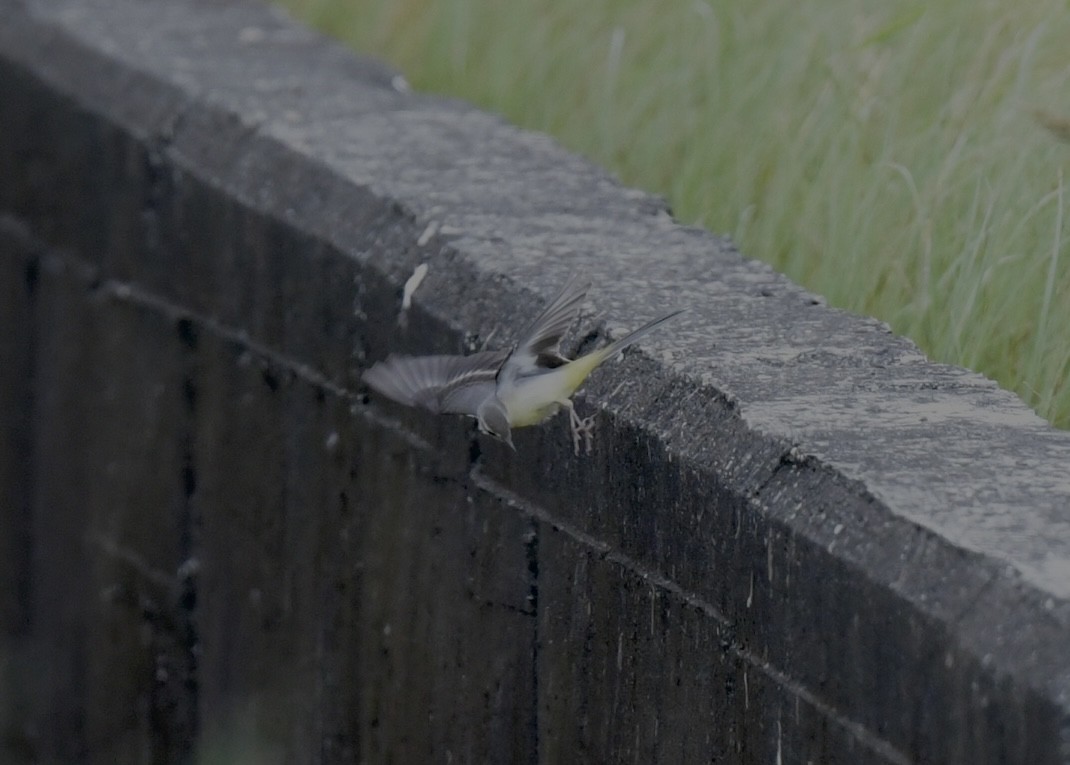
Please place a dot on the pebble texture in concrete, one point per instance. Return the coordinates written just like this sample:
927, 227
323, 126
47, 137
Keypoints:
796, 539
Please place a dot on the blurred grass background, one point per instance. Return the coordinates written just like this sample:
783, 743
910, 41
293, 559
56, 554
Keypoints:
907, 160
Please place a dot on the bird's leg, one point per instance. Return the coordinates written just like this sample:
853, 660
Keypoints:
582, 427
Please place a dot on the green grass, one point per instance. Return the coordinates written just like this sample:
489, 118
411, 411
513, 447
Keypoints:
907, 160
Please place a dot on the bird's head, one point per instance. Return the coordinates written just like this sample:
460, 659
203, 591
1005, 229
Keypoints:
493, 420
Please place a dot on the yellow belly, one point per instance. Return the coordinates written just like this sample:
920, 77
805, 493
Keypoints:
536, 399
529, 417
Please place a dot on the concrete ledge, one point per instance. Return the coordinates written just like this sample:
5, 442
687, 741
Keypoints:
796, 540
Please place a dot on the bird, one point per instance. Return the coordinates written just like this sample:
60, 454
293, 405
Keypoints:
509, 388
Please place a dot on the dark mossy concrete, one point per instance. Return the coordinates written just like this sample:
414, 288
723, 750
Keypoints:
796, 539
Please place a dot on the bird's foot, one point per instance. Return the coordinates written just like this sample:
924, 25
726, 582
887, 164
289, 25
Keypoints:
582, 428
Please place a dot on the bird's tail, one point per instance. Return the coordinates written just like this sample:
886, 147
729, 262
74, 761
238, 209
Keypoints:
617, 346
584, 365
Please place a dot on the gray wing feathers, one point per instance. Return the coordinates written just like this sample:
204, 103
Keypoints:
441, 384
465, 399
544, 335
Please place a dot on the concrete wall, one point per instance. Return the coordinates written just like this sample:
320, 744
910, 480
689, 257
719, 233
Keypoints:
796, 540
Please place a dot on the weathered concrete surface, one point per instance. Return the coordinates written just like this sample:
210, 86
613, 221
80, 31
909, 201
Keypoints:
796, 540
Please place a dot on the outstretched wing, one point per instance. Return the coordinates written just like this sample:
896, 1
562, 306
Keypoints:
441, 384
540, 344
